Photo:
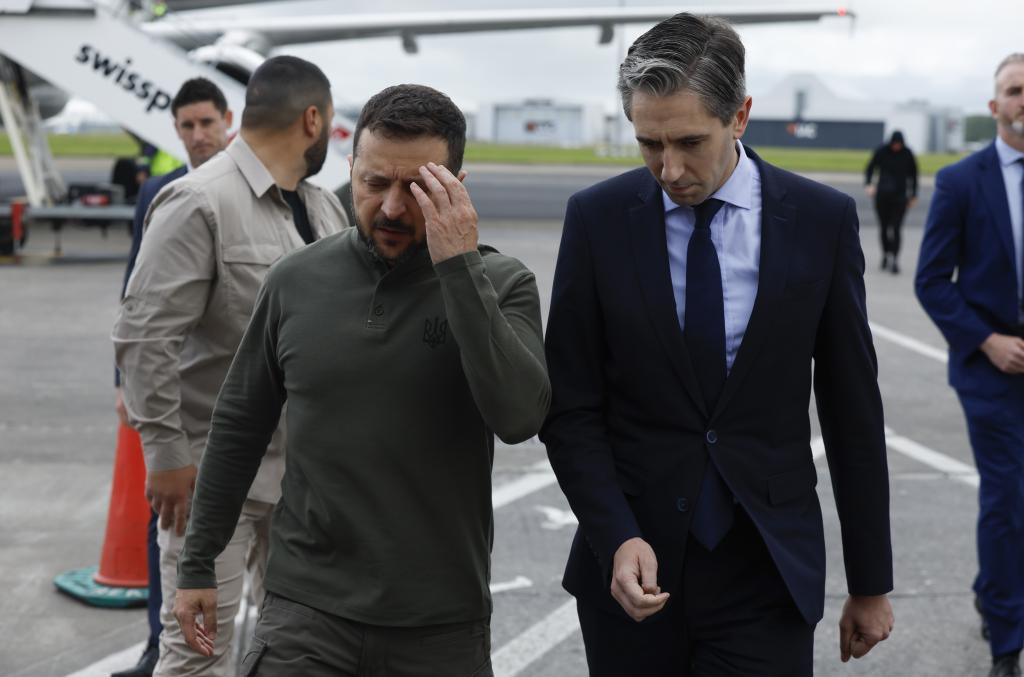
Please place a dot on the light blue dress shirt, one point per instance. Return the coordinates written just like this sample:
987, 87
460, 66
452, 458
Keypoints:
736, 234
1013, 174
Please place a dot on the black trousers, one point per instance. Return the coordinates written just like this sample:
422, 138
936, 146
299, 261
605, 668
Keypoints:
890, 207
156, 597
733, 617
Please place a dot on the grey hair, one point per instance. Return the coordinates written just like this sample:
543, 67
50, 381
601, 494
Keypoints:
1016, 57
700, 54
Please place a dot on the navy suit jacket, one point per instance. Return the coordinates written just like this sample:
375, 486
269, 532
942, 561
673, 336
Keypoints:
968, 232
628, 432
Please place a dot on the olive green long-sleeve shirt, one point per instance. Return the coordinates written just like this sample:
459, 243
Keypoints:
396, 382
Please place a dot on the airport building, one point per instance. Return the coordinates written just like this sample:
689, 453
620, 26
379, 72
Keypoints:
803, 112
544, 122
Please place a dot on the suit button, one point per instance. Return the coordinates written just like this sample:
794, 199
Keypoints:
682, 505
711, 437
378, 311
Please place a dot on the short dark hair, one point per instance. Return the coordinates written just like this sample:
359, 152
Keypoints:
413, 111
699, 54
198, 90
281, 89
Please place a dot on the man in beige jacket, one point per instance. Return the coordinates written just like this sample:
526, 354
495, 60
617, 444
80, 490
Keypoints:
210, 238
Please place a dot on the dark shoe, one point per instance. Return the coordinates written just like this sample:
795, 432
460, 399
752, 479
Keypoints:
984, 623
1006, 666
145, 666
885, 262
894, 267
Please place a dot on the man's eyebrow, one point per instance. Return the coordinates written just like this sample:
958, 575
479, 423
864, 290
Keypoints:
688, 138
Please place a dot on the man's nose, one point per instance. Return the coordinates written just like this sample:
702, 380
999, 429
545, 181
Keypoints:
673, 167
394, 203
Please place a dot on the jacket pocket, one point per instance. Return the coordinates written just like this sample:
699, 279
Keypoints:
252, 253
792, 484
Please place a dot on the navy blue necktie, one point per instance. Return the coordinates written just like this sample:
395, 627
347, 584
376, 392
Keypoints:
704, 332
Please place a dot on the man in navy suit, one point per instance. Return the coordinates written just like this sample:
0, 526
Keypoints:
970, 280
690, 299
202, 120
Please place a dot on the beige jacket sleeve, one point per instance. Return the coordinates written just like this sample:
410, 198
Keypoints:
166, 296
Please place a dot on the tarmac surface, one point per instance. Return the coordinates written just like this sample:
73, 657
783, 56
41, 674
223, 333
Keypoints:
57, 429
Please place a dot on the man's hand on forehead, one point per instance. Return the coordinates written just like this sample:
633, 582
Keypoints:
451, 220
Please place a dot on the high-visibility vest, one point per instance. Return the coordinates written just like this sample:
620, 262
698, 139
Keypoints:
163, 163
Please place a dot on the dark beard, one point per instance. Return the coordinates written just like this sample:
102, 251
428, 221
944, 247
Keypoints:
411, 251
316, 154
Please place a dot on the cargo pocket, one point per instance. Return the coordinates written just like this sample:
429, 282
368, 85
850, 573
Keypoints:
251, 662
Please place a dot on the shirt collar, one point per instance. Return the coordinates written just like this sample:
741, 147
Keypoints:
1007, 154
737, 190
256, 175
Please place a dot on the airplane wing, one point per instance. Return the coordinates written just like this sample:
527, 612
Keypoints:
271, 31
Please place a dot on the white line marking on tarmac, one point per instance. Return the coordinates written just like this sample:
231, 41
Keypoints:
919, 347
514, 657
517, 583
556, 518
539, 477
952, 468
118, 661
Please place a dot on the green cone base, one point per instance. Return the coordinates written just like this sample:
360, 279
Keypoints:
80, 584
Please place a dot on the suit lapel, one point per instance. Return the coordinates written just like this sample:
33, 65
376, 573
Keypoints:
993, 187
778, 220
650, 254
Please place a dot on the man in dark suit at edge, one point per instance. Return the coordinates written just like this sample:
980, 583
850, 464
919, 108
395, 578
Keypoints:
690, 299
202, 120
970, 280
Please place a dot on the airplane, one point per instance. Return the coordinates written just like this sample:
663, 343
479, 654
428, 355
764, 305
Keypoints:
128, 64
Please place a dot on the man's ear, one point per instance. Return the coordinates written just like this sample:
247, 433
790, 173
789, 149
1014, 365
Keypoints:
739, 123
351, 159
229, 117
462, 175
309, 121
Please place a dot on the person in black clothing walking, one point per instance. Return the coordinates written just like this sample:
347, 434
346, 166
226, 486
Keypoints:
897, 177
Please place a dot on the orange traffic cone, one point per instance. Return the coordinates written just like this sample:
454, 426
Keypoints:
122, 578
123, 563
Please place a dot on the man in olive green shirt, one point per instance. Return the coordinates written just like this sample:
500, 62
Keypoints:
401, 348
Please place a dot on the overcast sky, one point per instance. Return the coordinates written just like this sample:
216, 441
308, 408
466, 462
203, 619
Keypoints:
940, 50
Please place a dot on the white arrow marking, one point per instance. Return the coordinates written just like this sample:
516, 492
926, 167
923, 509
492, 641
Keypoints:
556, 518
